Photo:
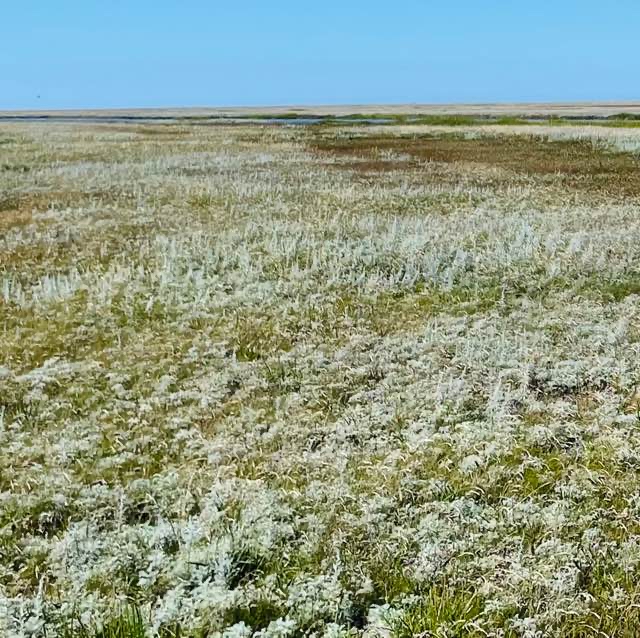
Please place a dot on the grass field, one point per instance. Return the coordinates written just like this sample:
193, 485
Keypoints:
295, 381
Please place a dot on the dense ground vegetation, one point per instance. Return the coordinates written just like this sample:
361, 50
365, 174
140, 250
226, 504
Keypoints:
320, 380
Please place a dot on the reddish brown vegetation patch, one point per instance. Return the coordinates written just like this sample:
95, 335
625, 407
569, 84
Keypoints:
575, 164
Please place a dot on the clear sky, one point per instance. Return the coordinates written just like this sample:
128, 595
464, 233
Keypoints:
138, 53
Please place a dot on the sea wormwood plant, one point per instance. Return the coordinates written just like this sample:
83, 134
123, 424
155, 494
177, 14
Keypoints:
283, 381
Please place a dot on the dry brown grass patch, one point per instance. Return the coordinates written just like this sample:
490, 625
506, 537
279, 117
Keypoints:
574, 164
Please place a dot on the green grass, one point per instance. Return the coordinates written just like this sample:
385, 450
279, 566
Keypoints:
446, 120
625, 116
406, 118
444, 612
127, 624
371, 116
509, 120
619, 123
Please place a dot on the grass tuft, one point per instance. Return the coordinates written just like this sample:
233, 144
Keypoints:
128, 623
443, 612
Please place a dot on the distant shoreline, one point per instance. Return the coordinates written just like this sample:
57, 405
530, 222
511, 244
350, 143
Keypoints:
577, 110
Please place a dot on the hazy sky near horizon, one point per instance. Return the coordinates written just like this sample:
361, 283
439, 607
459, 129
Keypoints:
144, 53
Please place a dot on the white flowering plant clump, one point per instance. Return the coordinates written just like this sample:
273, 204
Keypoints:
307, 381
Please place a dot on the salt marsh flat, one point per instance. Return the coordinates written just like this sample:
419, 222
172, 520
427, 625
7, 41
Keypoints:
319, 380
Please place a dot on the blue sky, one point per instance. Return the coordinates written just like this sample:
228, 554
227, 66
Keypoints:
140, 53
